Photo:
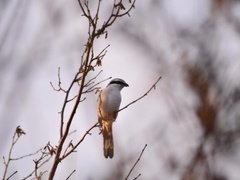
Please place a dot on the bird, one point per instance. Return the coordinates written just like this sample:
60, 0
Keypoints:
108, 104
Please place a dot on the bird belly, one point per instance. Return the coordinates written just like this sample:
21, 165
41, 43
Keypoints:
109, 104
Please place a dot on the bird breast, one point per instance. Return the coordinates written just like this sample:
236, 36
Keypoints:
109, 100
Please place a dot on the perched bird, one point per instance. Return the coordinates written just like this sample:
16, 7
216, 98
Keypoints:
108, 103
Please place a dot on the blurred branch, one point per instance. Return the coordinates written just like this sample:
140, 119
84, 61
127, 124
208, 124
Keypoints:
136, 163
200, 82
16, 136
71, 174
152, 87
137, 177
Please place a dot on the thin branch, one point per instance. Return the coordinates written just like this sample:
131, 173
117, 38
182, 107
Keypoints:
74, 97
152, 87
81, 100
27, 155
70, 145
116, 8
102, 54
92, 88
112, 17
71, 174
72, 132
137, 177
59, 83
66, 101
89, 16
16, 136
79, 142
136, 163
91, 80
12, 175
50, 149
82, 8
127, 12
40, 165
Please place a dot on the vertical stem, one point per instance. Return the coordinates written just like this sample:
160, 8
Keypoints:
57, 158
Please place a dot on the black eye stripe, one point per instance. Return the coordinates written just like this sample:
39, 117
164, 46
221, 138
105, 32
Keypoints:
116, 82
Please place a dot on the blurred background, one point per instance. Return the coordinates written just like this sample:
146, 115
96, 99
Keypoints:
191, 122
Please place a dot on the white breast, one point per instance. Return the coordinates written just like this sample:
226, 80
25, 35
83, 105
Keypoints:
109, 100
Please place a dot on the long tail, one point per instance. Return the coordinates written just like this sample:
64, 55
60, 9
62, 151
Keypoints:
108, 140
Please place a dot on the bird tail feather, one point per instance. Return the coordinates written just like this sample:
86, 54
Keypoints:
108, 141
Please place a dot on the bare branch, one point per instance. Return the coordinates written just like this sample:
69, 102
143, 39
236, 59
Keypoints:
91, 80
116, 8
74, 97
75, 146
12, 175
94, 87
127, 12
83, 10
70, 145
136, 163
100, 56
59, 83
18, 132
27, 155
137, 177
152, 87
66, 101
39, 165
50, 149
71, 174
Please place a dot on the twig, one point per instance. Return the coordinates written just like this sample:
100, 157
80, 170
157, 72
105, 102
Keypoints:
127, 12
70, 145
75, 146
45, 152
72, 132
91, 81
152, 87
12, 175
69, 100
40, 165
137, 177
18, 132
65, 103
92, 88
71, 174
100, 56
28, 155
59, 83
136, 163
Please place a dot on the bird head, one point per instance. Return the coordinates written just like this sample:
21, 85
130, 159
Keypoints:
118, 83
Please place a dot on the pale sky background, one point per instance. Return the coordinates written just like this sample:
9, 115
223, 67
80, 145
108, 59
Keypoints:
37, 37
